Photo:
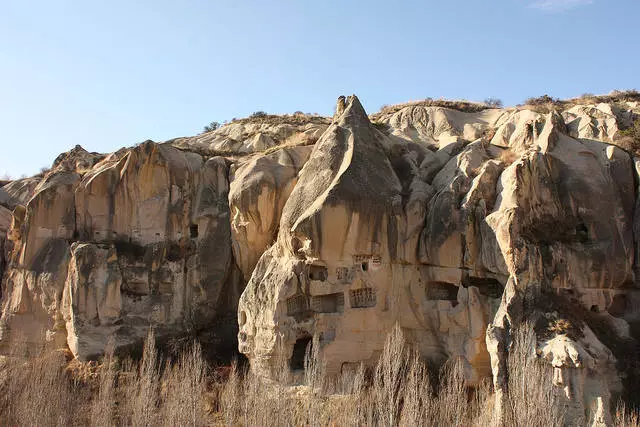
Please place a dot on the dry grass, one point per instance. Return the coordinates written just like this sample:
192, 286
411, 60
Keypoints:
625, 417
400, 390
629, 139
460, 105
545, 103
532, 399
507, 156
38, 392
297, 118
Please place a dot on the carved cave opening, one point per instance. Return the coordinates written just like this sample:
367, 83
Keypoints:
618, 305
442, 291
318, 272
487, 286
297, 305
331, 303
362, 298
193, 231
344, 274
296, 362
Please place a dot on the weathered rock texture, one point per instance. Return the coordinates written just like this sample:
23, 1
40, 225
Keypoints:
139, 239
458, 224
424, 217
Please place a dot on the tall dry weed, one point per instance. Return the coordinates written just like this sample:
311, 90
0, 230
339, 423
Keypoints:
183, 388
389, 384
142, 391
401, 389
532, 398
624, 417
103, 405
38, 392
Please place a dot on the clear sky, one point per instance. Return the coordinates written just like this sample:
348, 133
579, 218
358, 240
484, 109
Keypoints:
107, 74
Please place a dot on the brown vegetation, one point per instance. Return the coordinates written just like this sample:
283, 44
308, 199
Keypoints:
629, 139
545, 103
400, 390
460, 105
297, 118
507, 156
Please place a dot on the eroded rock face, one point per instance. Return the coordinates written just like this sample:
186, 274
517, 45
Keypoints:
257, 134
457, 225
260, 187
424, 225
353, 256
140, 239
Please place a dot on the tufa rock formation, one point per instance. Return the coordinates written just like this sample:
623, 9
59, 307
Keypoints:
455, 221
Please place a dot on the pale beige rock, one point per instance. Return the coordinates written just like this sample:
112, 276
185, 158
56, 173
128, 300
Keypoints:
585, 371
153, 249
253, 135
592, 122
18, 192
441, 221
259, 189
436, 126
36, 278
336, 269
429, 238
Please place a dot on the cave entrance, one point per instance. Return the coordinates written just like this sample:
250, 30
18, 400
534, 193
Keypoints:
487, 286
299, 350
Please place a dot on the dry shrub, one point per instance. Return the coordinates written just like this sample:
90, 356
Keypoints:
613, 97
452, 400
103, 405
460, 105
277, 119
418, 402
545, 103
389, 384
398, 391
183, 386
39, 392
232, 391
142, 392
629, 139
494, 102
542, 100
507, 157
624, 417
532, 397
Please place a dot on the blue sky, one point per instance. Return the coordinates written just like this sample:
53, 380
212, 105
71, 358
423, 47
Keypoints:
108, 74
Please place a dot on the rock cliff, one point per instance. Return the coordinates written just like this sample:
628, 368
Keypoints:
456, 221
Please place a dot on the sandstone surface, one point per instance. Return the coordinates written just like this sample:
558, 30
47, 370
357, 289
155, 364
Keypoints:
456, 221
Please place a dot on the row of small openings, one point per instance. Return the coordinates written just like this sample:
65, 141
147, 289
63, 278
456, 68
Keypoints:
331, 303
362, 298
296, 305
321, 273
344, 274
193, 232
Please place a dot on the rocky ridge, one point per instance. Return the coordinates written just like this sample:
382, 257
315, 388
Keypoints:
456, 224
